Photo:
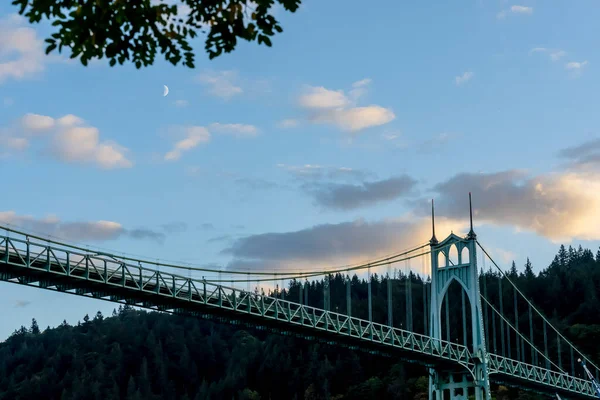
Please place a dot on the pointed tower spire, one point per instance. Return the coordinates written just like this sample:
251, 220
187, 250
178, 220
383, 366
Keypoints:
471, 234
433, 241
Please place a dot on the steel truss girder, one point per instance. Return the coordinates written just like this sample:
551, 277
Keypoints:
513, 369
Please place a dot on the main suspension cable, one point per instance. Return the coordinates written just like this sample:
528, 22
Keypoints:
200, 269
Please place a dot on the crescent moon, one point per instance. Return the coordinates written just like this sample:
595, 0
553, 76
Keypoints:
166, 90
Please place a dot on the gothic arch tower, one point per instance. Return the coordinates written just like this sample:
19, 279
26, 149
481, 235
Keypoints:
459, 384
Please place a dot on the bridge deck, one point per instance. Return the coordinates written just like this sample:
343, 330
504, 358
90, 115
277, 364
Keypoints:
102, 276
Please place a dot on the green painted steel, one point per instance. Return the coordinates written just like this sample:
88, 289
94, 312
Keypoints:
104, 276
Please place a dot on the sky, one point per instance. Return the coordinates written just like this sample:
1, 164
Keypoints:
322, 150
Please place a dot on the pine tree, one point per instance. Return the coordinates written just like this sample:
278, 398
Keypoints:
35, 329
572, 256
99, 316
529, 270
513, 270
563, 257
86, 319
131, 390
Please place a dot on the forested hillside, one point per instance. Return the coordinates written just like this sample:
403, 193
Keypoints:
147, 355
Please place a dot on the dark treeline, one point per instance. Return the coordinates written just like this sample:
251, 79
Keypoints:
148, 355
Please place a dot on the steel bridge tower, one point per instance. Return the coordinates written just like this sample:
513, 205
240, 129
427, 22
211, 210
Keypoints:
458, 383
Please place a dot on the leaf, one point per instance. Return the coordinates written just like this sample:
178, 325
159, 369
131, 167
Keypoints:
136, 30
50, 48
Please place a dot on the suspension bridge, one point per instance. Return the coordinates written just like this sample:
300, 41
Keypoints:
468, 328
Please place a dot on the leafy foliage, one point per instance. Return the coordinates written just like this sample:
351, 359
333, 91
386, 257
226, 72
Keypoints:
123, 30
147, 355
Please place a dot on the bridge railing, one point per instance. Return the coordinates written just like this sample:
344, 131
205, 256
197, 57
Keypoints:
72, 269
517, 369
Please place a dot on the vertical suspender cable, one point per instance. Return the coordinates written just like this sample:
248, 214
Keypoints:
306, 287
389, 297
546, 347
531, 336
517, 339
501, 315
425, 314
486, 324
408, 297
559, 351
369, 294
324, 282
348, 296
447, 300
572, 362
464, 317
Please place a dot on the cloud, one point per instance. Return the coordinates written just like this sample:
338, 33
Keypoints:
557, 55
359, 88
21, 50
334, 107
181, 103
584, 157
36, 123
69, 140
193, 136
288, 123
81, 144
75, 231
220, 83
143, 233
437, 141
505, 256
357, 118
574, 65
22, 303
554, 54
314, 172
174, 227
348, 197
560, 206
519, 10
13, 143
256, 183
207, 226
319, 97
464, 78
222, 238
238, 130
330, 245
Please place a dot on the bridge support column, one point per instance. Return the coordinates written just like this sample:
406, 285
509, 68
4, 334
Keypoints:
472, 378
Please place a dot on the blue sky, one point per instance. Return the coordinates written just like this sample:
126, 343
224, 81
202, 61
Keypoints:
328, 144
